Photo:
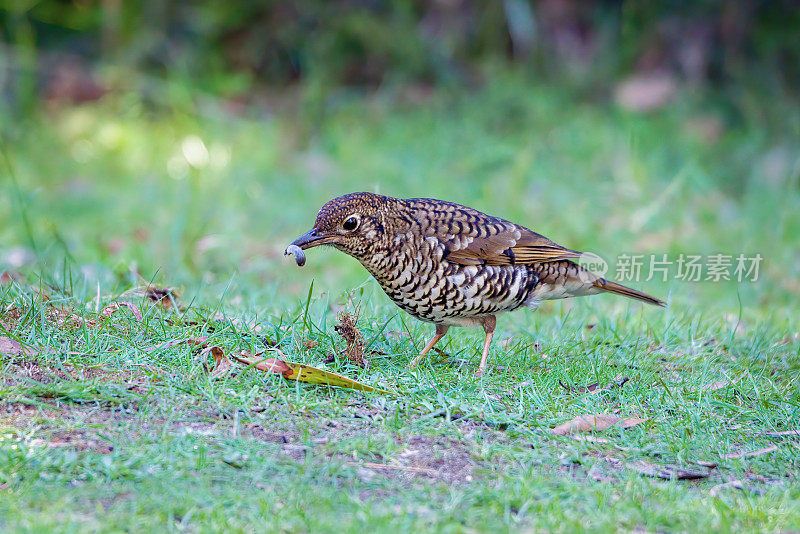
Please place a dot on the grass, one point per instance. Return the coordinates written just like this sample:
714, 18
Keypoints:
100, 432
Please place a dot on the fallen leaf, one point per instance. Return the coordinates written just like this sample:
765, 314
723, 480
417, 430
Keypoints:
12, 347
782, 433
787, 339
167, 297
397, 335
616, 382
720, 384
222, 365
581, 389
310, 344
10, 276
304, 373
666, 472
109, 310
707, 128
598, 422
76, 321
759, 452
141, 234
513, 344
645, 92
269, 365
733, 484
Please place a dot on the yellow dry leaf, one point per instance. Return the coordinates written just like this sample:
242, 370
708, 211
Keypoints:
305, 373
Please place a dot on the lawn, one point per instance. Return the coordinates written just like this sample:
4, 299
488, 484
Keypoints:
105, 425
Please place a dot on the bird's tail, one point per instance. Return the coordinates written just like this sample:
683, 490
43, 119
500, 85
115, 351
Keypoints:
618, 289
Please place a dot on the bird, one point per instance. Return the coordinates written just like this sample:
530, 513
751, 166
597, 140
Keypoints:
452, 265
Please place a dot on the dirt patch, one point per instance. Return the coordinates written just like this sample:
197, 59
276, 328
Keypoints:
25, 371
10, 317
438, 457
80, 440
24, 417
21, 415
411, 458
259, 433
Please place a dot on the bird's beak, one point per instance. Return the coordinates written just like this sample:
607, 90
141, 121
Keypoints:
312, 238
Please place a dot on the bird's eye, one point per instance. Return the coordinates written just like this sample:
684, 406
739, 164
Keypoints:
351, 223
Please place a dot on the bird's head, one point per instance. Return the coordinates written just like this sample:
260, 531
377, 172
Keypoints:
354, 224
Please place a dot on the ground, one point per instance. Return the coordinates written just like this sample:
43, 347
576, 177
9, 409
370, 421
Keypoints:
106, 425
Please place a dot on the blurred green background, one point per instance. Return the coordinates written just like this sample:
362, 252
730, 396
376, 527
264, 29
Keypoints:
190, 142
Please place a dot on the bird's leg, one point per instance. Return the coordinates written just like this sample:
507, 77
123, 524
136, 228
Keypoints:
441, 330
489, 322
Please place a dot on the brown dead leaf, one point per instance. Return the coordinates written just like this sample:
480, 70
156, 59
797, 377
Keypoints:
708, 128
751, 454
352, 335
268, 365
64, 318
517, 344
12, 347
310, 344
141, 234
787, 339
645, 92
581, 389
222, 365
597, 422
167, 297
616, 382
666, 472
7, 277
109, 310
720, 384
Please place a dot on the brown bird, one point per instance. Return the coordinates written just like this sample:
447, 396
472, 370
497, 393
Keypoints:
451, 265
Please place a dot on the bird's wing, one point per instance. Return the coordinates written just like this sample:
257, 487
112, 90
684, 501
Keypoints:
474, 238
